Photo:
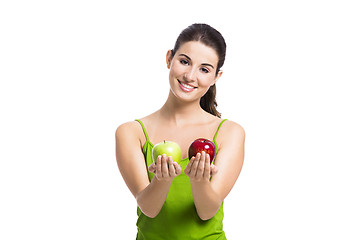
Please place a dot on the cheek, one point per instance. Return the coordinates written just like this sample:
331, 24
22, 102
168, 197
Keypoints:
176, 69
206, 80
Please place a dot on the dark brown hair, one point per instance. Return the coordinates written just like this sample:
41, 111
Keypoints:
211, 38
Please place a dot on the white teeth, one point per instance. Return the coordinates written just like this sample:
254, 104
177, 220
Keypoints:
187, 86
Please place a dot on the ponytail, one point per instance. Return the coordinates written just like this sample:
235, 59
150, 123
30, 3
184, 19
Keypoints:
208, 102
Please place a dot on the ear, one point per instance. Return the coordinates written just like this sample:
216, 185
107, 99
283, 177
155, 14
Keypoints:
168, 58
218, 76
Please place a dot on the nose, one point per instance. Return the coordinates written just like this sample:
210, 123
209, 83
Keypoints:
190, 75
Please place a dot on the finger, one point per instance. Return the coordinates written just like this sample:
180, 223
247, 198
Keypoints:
164, 166
171, 167
201, 166
207, 167
158, 167
177, 168
195, 165
188, 167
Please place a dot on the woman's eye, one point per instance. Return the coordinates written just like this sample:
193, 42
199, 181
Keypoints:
204, 70
184, 62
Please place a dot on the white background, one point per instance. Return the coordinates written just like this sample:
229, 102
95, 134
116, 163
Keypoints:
72, 71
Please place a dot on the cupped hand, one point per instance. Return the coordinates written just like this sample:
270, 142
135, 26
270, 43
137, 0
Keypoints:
199, 167
165, 170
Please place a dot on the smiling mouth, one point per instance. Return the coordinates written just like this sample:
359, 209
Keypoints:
186, 85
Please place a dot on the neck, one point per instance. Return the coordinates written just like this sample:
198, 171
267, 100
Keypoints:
180, 112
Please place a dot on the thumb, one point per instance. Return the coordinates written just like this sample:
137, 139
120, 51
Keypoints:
152, 168
213, 169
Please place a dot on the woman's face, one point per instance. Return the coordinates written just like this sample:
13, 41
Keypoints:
192, 70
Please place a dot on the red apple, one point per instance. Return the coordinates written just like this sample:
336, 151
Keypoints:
202, 144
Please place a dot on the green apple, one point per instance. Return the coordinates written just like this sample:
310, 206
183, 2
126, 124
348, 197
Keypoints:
169, 148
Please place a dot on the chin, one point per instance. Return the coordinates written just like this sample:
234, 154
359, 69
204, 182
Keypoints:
183, 96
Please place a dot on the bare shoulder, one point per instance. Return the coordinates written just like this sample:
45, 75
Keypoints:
124, 129
231, 131
231, 126
133, 130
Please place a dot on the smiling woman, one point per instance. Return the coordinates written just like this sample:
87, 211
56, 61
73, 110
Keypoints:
183, 200
191, 67
212, 38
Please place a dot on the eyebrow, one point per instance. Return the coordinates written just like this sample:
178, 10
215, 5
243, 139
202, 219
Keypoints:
205, 64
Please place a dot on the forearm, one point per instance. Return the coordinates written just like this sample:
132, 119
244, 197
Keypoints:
207, 201
152, 198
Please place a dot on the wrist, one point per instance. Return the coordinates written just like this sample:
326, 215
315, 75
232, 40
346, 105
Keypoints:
162, 181
201, 183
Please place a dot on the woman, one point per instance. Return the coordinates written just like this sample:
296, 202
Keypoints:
183, 201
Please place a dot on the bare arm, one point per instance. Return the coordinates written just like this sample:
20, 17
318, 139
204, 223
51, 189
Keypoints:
150, 197
209, 194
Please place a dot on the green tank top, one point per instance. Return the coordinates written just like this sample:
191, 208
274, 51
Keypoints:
178, 218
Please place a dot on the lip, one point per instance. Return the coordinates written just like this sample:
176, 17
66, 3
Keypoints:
184, 88
187, 84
